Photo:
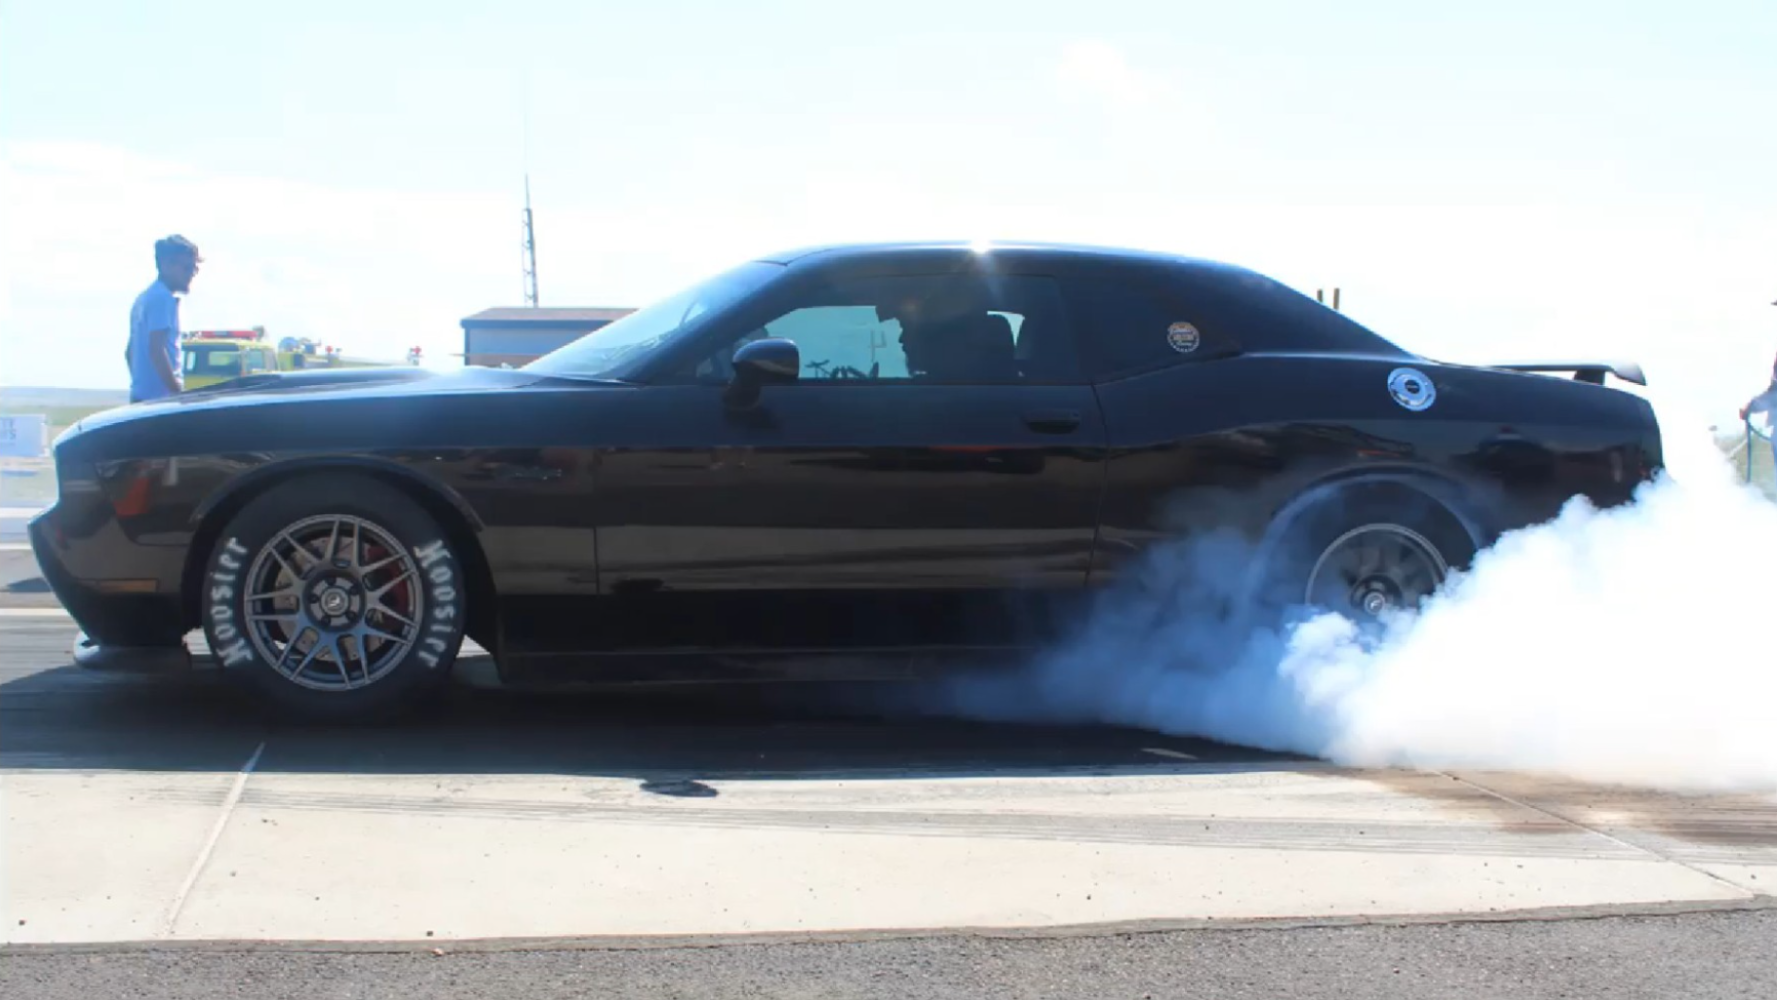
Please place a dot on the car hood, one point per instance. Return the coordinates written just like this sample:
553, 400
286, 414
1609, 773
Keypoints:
320, 387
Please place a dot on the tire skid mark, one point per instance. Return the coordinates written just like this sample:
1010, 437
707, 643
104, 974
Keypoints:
1430, 838
1474, 837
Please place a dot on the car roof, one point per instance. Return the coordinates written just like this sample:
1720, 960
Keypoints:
1314, 328
1022, 250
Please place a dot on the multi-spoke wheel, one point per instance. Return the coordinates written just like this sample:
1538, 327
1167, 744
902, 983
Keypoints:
333, 602
336, 596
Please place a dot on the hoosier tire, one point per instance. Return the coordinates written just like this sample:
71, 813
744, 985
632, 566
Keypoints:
335, 598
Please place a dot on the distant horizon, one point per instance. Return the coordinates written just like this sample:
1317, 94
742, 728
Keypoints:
83, 390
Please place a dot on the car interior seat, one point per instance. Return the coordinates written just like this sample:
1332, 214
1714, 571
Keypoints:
976, 347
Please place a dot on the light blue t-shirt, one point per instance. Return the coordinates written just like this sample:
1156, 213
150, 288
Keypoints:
1764, 402
154, 326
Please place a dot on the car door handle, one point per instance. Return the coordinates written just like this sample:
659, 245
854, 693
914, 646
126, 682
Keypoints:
1053, 421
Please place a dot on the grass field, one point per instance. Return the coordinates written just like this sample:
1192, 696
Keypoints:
27, 482
62, 406
1758, 452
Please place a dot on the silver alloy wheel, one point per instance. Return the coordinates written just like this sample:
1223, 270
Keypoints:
334, 602
1373, 568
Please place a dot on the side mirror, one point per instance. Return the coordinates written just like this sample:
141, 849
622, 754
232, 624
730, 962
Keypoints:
774, 361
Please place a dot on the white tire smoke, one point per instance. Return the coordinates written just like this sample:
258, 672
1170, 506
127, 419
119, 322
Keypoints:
1629, 645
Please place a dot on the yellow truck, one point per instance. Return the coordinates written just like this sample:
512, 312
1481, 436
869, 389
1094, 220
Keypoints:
212, 356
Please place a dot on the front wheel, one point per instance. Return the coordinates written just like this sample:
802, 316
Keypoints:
335, 598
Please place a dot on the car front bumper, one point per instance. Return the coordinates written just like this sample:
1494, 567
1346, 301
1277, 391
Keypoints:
95, 575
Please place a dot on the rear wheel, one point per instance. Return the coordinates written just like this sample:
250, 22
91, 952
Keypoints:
1374, 568
1368, 551
335, 598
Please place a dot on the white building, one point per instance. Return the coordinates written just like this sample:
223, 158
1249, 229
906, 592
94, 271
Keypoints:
517, 335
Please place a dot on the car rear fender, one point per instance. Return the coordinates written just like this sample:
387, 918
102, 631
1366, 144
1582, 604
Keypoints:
1470, 504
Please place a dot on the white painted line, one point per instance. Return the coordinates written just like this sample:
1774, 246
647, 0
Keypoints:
15, 546
1163, 752
203, 857
20, 511
33, 613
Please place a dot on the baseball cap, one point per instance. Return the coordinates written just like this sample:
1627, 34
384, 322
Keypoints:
175, 246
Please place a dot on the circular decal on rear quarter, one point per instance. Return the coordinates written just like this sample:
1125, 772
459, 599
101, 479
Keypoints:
1183, 337
1412, 389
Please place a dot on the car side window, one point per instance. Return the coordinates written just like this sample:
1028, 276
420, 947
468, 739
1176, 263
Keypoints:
1135, 328
955, 329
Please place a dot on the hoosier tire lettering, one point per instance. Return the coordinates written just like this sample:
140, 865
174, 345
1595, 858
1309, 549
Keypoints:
435, 562
234, 649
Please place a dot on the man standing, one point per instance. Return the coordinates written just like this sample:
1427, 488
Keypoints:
153, 351
1764, 402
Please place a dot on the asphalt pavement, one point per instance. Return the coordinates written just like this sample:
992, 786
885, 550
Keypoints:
161, 840
1706, 956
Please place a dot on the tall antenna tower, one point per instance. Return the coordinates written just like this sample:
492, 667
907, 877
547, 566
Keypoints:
530, 249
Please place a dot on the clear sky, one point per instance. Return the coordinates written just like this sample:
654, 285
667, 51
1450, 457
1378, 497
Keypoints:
1484, 181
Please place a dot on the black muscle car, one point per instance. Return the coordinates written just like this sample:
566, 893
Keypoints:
843, 462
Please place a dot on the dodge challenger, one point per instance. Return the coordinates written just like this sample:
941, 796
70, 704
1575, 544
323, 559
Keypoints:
845, 462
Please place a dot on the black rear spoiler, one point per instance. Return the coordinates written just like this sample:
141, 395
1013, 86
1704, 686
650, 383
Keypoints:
1583, 371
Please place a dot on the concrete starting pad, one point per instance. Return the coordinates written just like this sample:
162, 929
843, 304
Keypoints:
271, 852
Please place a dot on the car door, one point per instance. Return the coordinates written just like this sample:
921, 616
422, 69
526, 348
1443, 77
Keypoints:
931, 480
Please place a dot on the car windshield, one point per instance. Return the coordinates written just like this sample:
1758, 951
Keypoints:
613, 351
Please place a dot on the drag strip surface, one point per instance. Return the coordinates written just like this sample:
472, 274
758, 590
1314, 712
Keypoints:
141, 809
